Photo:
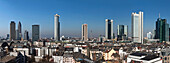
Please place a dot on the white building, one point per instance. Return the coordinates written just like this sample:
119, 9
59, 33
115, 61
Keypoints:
58, 59
56, 27
143, 58
149, 35
137, 27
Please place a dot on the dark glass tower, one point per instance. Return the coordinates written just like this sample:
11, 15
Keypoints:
26, 35
162, 30
120, 32
109, 29
35, 32
19, 31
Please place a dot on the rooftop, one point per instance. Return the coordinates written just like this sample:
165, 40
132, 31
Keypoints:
150, 57
138, 54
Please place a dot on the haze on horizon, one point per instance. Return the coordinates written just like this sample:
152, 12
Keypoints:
74, 13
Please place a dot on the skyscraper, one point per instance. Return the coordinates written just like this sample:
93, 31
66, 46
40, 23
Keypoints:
12, 31
162, 30
84, 32
109, 29
56, 27
154, 34
19, 31
26, 35
35, 32
149, 35
137, 27
17, 34
126, 31
122, 32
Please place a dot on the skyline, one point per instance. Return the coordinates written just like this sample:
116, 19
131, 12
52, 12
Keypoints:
74, 16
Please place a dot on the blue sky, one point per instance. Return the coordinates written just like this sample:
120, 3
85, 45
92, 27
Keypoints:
74, 13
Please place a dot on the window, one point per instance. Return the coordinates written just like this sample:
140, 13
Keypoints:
165, 58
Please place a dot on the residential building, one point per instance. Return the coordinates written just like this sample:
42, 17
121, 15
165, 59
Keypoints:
165, 55
108, 54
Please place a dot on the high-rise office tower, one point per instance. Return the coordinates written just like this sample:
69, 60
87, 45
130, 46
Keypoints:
12, 31
35, 32
19, 31
17, 34
154, 34
109, 29
162, 30
137, 27
126, 31
56, 27
122, 32
100, 38
84, 32
169, 34
149, 35
26, 35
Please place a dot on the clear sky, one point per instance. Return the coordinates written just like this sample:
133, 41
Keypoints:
74, 13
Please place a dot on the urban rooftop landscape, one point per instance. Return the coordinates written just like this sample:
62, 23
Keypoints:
84, 31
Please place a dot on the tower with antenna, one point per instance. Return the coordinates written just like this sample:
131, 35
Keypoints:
159, 15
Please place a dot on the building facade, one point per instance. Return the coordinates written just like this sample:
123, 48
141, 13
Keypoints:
17, 34
162, 30
109, 29
19, 31
12, 31
137, 27
84, 32
56, 27
35, 32
122, 32
26, 35
149, 35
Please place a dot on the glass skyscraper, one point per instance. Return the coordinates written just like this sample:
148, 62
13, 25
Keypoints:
122, 32
26, 35
35, 32
149, 35
137, 27
126, 31
162, 30
109, 29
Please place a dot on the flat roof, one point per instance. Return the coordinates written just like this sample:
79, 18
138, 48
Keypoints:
150, 57
138, 54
